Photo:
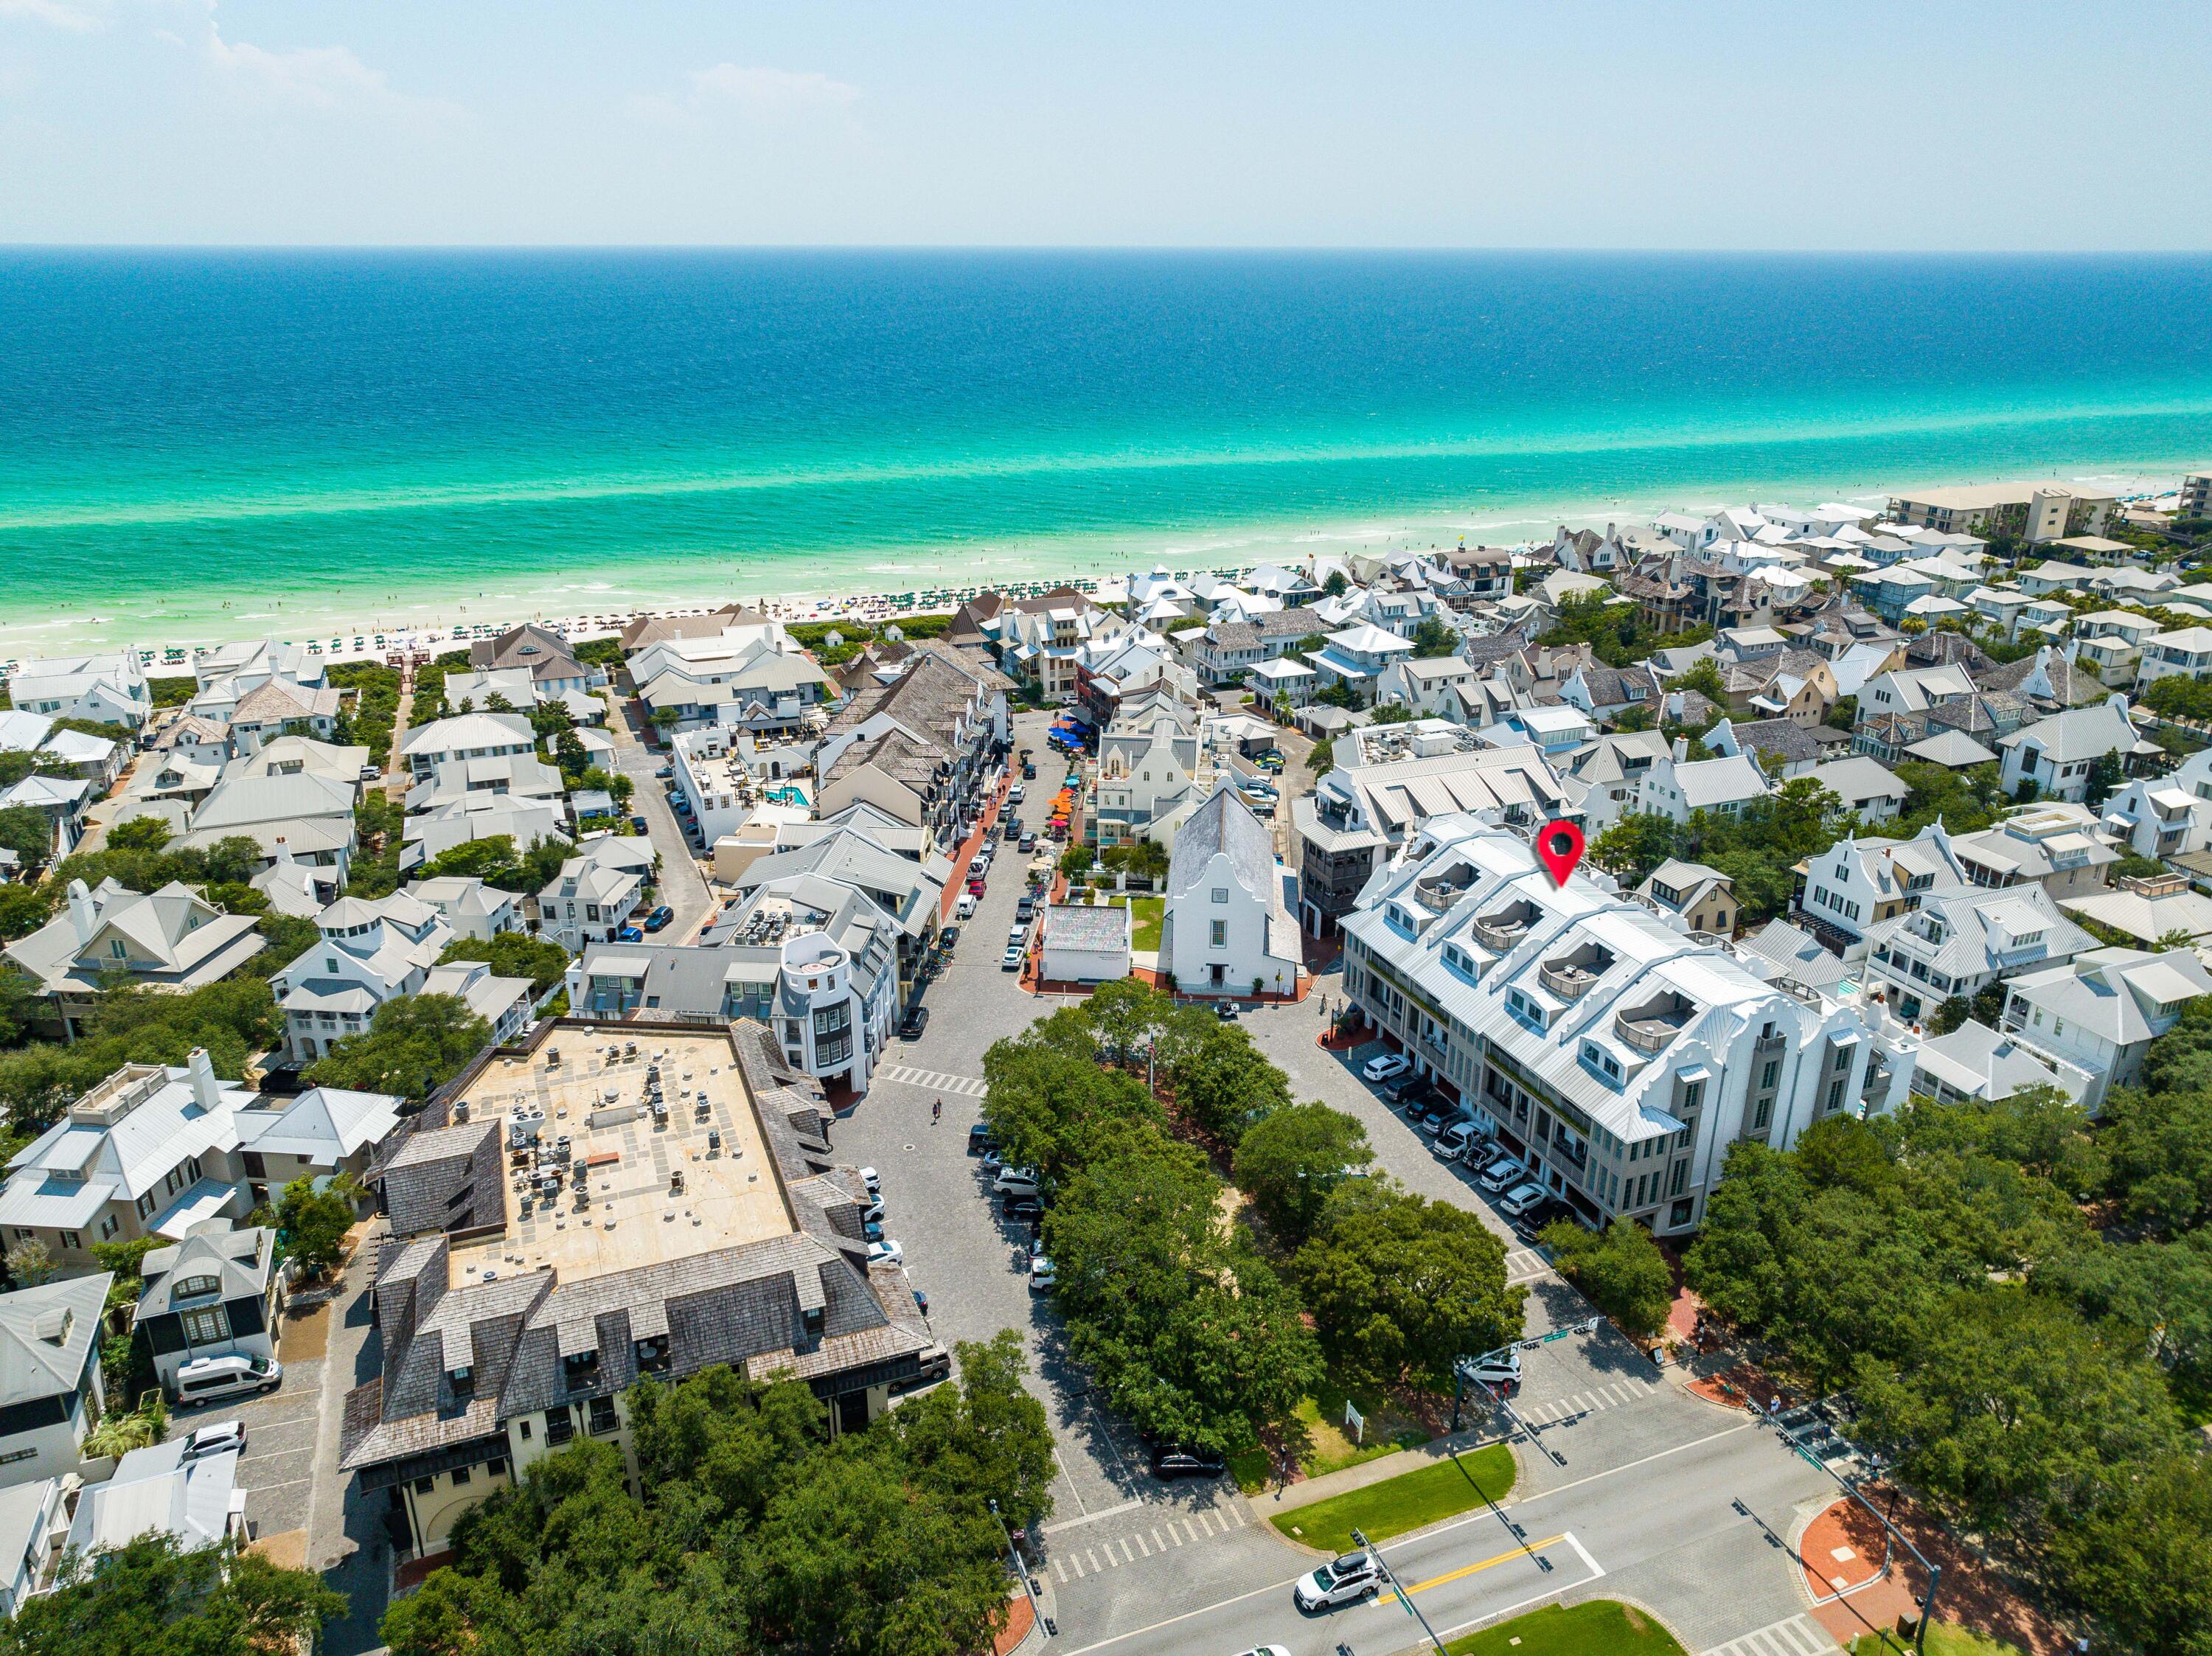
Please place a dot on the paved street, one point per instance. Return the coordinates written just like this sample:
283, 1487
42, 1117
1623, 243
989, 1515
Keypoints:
683, 886
1661, 1530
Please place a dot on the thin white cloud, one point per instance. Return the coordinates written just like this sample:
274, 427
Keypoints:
322, 77
773, 91
54, 12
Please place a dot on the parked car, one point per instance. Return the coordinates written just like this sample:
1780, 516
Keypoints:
1343, 1580
1382, 1068
665, 773
1519, 1200
1025, 910
1013, 830
1028, 843
912, 1025
215, 1438
1405, 1085
1270, 760
979, 1139
886, 1254
630, 934
1174, 1460
1502, 1174
1020, 1181
871, 1181
1042, 1276
1029, 773
947, 937
1457, 1140
1023, 1207
217, 1379
1014, 793
637, 825
965, 908
1436, 1117
661, 920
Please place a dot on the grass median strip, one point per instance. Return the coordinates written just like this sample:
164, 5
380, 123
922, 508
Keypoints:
1409, 1501
1599, 1626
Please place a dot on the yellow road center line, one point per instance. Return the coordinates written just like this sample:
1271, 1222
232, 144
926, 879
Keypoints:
1521, 1552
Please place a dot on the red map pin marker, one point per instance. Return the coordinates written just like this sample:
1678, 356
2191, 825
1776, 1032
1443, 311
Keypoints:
1560, 846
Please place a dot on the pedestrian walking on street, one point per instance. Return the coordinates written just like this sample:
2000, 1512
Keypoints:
936, 1112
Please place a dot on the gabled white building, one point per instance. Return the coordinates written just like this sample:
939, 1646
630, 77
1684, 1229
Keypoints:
2055, 753
2104, 1008
1911, 691
472, 908
1959, 942
596, 892
465, 736
155, 1151
108, 688
2165, 816
1358, 655
371, 952
1227, 929
1615, 1056
1860, 881
1153, 769
1676, 786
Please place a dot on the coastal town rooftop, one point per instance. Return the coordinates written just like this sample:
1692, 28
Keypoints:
635, 1215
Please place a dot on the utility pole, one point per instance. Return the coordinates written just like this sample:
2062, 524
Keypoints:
1397, 1587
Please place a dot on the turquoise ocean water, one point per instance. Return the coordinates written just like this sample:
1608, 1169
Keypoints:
196, 445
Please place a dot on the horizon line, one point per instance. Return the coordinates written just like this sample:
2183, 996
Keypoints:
1405, 249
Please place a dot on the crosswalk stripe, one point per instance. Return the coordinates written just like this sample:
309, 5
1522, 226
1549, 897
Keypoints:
933, 1080
1093, 1557
1236, 1511
1800, 1635
1059, 1569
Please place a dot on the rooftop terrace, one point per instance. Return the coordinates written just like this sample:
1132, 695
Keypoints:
600, 1179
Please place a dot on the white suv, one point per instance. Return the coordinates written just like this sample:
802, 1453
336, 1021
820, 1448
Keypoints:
1342, 1581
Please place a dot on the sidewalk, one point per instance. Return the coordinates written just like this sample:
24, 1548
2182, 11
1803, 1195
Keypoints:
1271, 1503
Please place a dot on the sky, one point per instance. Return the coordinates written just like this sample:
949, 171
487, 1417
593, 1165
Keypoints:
2031, 126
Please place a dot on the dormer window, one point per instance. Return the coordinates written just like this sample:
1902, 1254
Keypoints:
191, 1287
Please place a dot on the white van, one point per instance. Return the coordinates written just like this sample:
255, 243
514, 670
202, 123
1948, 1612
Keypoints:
1016, 1181
216, 1380
965, 908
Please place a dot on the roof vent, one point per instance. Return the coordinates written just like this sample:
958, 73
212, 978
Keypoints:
53, 1326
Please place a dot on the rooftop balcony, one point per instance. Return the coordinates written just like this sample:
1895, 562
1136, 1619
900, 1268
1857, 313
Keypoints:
1651, 1027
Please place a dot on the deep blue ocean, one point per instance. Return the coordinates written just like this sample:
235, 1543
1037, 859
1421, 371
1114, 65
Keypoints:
199, 444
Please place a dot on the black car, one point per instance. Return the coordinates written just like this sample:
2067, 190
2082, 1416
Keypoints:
1024, 1207
916, 1020
979, 1139
1180, 1460
1400, 1088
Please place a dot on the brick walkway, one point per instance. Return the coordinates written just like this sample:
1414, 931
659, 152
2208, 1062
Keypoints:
1842, 1552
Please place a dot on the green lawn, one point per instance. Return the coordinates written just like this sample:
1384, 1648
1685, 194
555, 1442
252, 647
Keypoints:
1944, 1638
1598, 1627
1146, 923
1147, 916
1410, 1500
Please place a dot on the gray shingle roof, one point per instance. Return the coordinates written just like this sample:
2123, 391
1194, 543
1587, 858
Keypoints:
1223, 823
